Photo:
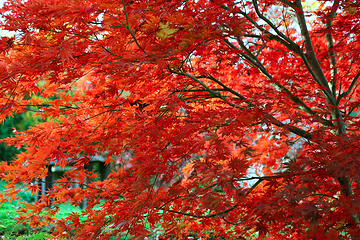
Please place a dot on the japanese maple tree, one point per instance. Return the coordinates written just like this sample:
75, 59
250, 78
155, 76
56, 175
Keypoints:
237, 119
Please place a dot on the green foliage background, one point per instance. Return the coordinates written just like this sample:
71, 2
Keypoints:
19, 123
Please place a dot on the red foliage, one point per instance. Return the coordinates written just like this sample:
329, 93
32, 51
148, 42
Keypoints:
235, 118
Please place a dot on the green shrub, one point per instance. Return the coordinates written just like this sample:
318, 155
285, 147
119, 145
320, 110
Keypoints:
11, 229
35, 236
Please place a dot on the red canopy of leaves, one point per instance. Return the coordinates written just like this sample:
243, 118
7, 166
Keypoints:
237, 119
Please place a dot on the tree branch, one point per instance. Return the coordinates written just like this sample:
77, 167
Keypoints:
330, 46
261, 16
227, 221
311, 56
215, 214
344, 94
298, 131
209, 90
288, 3
129, 29
279, 87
